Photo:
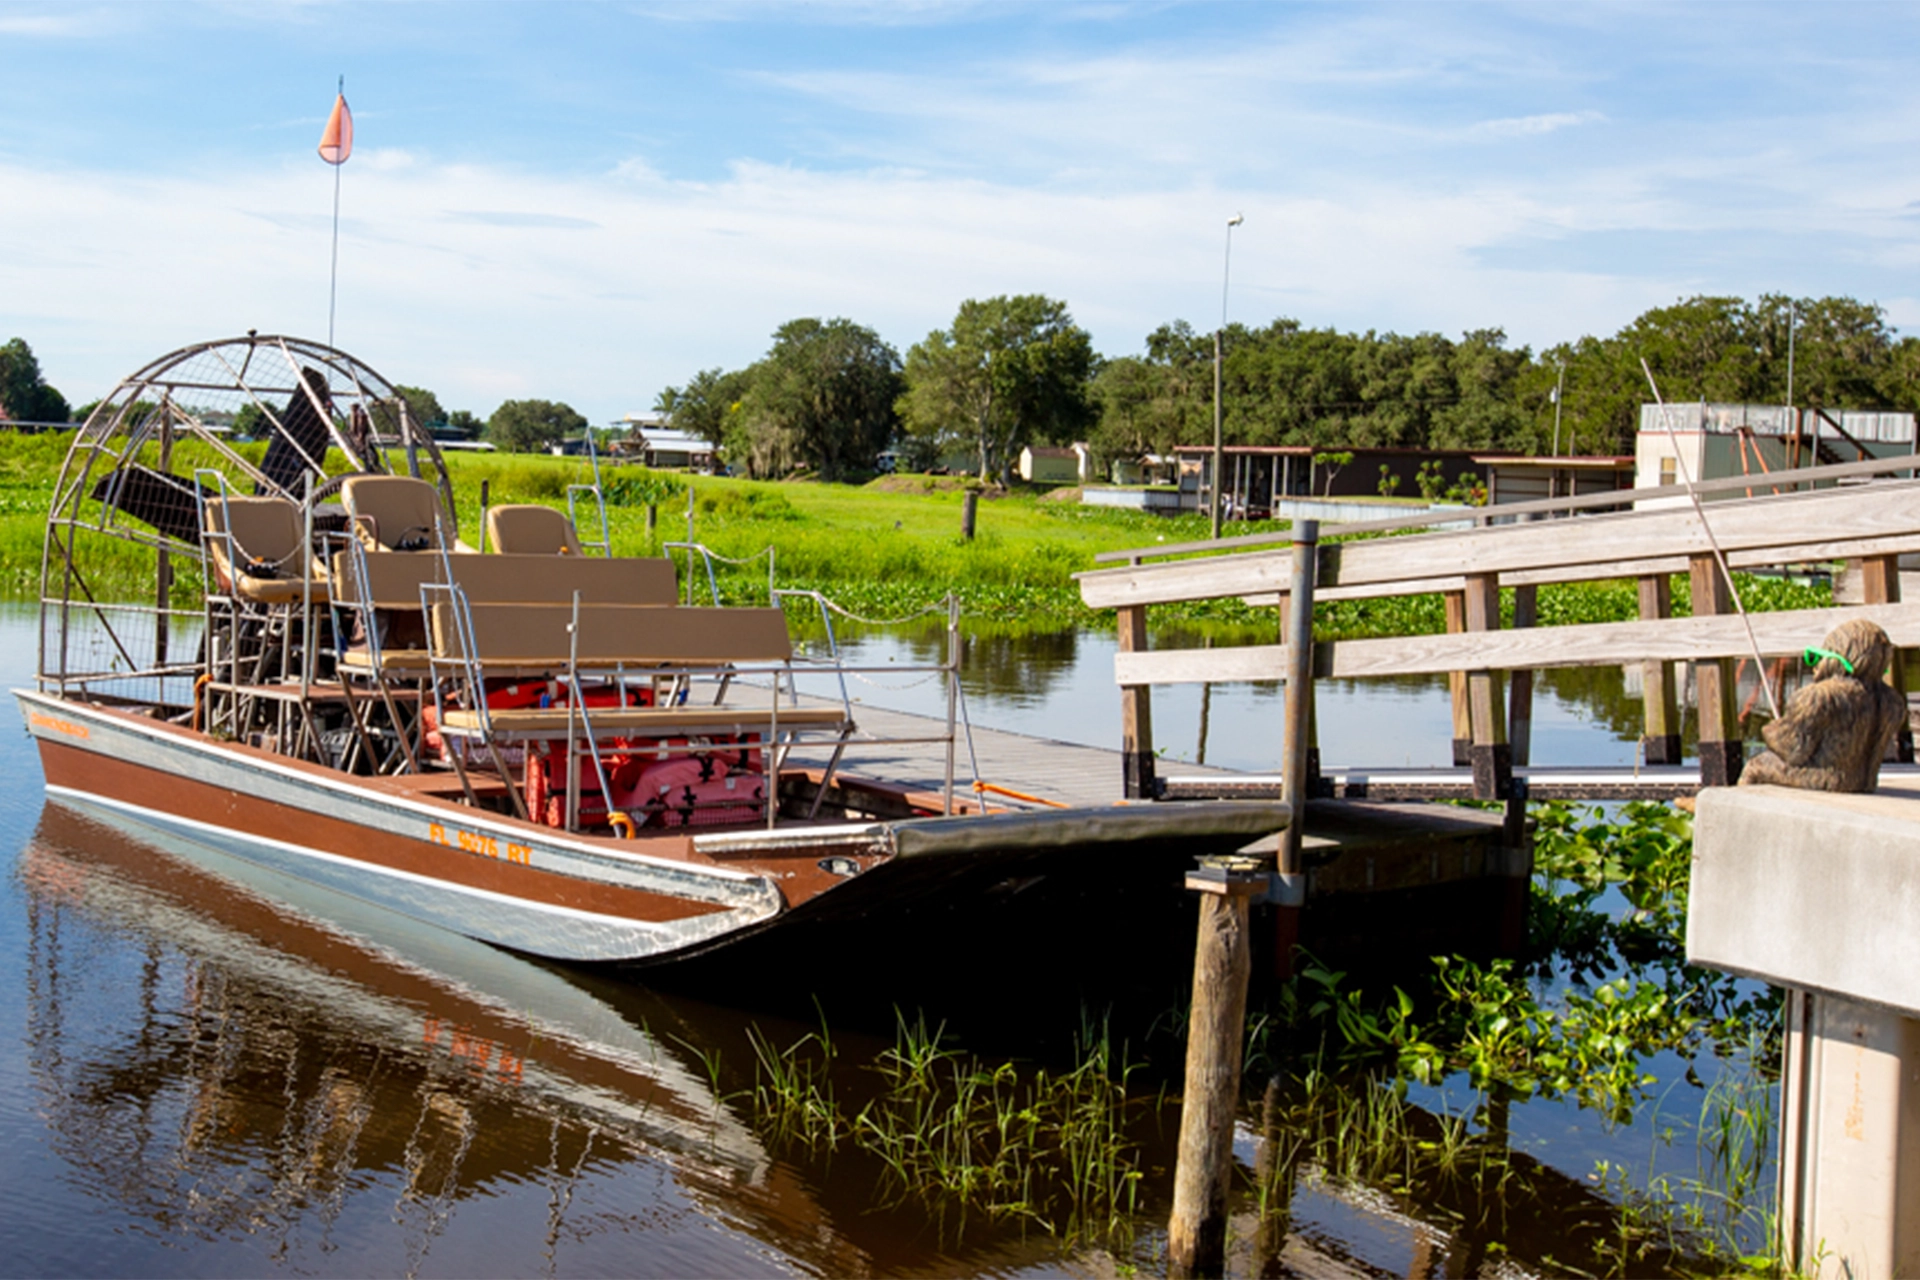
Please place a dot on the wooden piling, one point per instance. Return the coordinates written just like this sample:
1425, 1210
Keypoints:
1136, 713
969, 510
1210, 1094
1880, 584
1722, 753
1660, 736
1491, 754
1456, 602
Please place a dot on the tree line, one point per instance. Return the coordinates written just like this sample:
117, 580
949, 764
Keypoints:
830, 397
1014, 371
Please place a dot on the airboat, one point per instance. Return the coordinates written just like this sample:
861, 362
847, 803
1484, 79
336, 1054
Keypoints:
297, 650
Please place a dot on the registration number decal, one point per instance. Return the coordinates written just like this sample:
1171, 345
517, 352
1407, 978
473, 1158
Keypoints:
54, 724
477, 842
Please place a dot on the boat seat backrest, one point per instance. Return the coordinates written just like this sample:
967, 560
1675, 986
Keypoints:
535, 635
394, 579
392, 513
528, 529
255, 546
261, 528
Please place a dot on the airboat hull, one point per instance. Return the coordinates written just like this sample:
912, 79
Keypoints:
533, 889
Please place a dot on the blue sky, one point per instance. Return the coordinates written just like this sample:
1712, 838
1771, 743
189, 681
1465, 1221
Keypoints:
591, 202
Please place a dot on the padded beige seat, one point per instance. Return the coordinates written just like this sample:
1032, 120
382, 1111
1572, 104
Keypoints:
393, 513
393, 662
528, 529
267, 531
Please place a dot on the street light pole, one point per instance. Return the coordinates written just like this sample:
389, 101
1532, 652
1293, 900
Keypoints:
1219, 340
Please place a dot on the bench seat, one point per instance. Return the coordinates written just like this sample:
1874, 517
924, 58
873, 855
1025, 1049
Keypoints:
553, 722
631, 636
394, 578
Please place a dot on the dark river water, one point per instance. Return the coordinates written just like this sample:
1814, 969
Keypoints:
207, 1071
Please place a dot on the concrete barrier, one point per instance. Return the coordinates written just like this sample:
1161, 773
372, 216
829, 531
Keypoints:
1820, 894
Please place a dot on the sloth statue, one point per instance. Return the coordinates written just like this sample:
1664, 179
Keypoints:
1836, 729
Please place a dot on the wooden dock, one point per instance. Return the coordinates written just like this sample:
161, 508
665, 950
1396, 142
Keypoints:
1488, 579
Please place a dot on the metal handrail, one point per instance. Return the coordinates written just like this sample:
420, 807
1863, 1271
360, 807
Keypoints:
706, 556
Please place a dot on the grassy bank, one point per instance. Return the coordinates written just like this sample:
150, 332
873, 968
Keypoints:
885, 549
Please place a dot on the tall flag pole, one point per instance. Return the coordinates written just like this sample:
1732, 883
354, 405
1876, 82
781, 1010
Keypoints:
336, 144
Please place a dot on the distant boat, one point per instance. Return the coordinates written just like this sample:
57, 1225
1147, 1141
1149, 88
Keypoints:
528, 745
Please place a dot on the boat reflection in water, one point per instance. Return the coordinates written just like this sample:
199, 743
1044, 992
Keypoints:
216, 1066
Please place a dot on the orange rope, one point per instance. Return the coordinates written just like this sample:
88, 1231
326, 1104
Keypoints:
198, 685
980, 787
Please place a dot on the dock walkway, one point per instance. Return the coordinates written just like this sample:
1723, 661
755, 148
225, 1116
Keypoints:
1066, 773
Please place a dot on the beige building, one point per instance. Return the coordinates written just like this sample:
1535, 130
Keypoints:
1717, 441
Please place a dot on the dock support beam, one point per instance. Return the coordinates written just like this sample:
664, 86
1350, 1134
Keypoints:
1880, 584
1722, 754
1456, 603
1492, 756
1660, 737
1136, 713
1210, 1093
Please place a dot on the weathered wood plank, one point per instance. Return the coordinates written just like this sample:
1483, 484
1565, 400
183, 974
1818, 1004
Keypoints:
1887, 518
1668, 566
1593, 644
1546, 506
1600, 644
1254, 662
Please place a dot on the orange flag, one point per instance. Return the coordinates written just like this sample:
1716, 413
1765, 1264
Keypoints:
336, 144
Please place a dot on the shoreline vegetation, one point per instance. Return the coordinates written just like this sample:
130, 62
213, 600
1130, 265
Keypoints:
886, 549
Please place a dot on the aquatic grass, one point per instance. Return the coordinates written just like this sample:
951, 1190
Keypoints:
793, 1089
962, 1137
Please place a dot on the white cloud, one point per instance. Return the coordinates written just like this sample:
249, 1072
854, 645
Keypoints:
1532, 126
598, 291
1354, 140
65, 24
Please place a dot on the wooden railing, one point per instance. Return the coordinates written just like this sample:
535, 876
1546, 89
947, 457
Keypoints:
1489, 666
1773, 483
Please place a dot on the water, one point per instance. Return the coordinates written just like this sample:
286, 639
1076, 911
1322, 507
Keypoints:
206, 1070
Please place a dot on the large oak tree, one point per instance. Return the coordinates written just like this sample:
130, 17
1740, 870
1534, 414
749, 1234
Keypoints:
1007, 372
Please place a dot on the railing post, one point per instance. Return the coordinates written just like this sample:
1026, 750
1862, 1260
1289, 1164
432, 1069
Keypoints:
1491, 754
1660, 738
1296, 748
1880, 584
1722, 753
1456, 602
1136, 712
1526, 612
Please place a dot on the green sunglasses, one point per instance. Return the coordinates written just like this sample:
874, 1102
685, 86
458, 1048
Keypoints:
1813, 655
